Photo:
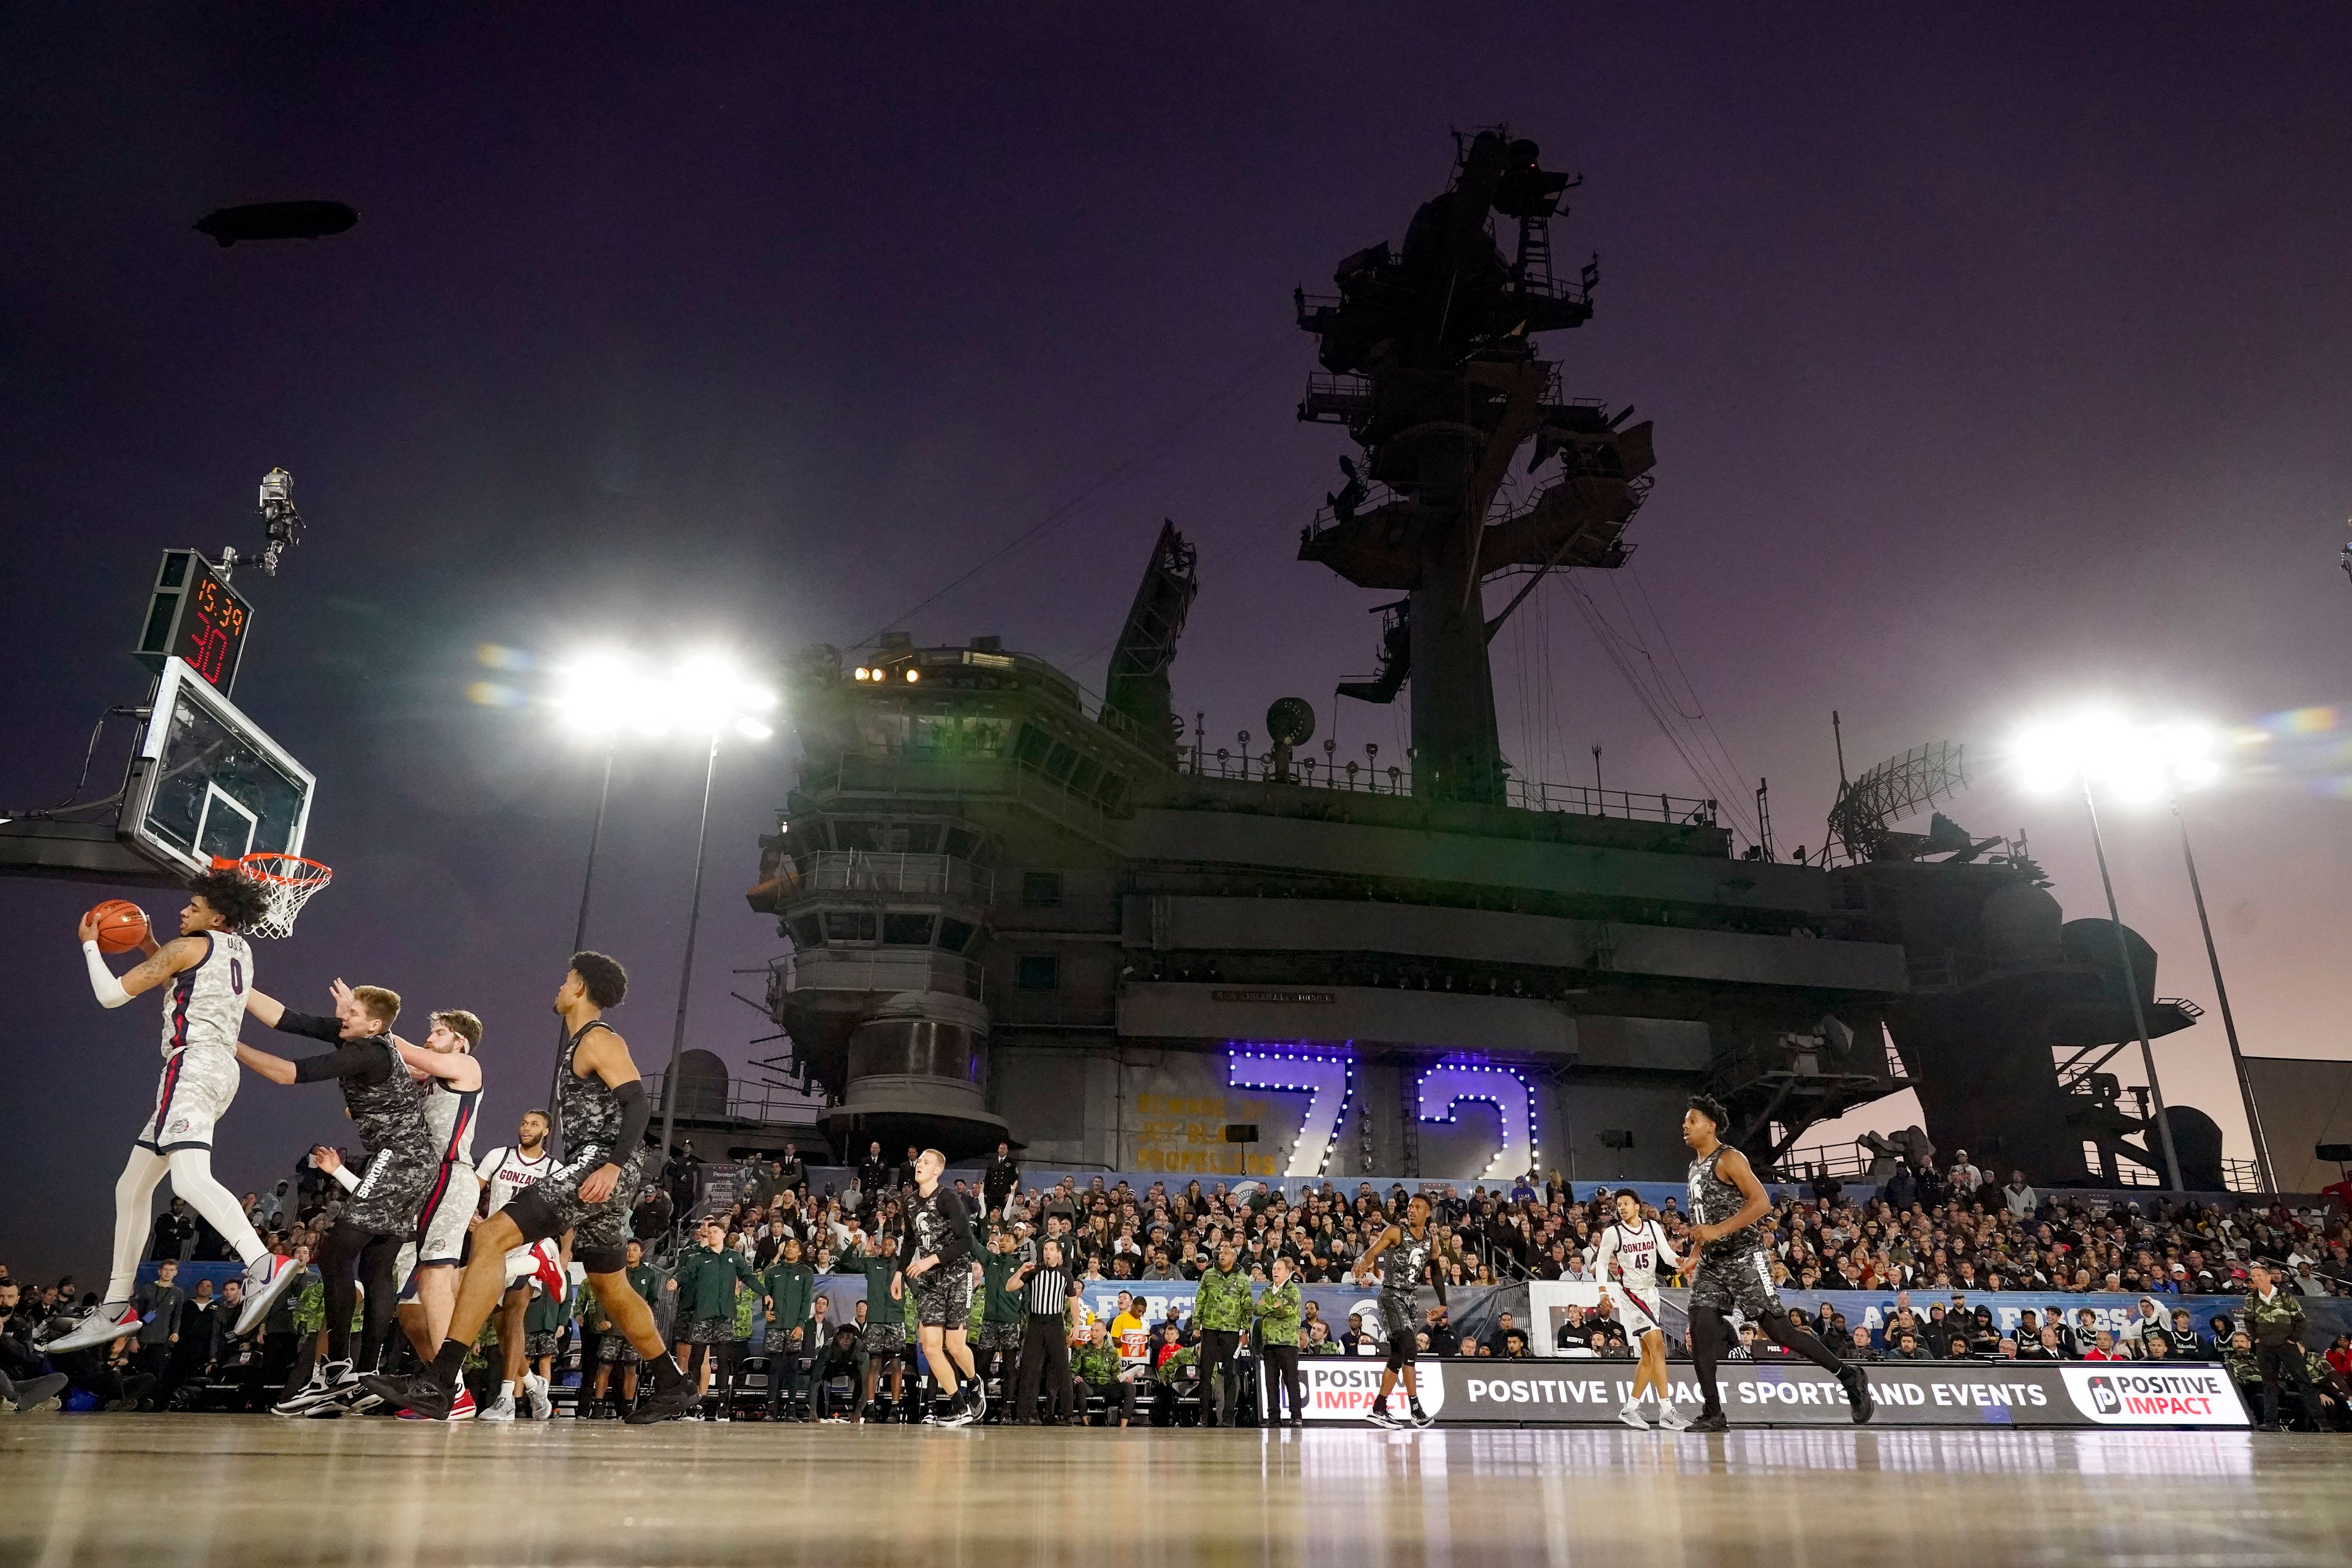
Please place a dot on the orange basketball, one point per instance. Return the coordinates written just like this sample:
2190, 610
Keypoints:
121, 925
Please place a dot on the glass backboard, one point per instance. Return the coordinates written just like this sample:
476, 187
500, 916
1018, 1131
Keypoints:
208, 782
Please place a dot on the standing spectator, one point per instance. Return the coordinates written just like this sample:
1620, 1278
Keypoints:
174, 1232
792, 1170
2273, 1319
192, 1343
1966, 1177
2019, 1197
1002, 1319
998, 1182
1277, 1313
873, 1180
159, 1309
1902, 1188
708, 1274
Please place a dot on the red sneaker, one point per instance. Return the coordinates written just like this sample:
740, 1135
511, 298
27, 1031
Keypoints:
462, 1407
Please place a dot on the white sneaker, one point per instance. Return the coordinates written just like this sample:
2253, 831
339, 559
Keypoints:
101, 1325
330, 1382
267, 1279
1631, 1414
534, 1389
502, 1409
1379, 1417
1671, 1419
345, 1396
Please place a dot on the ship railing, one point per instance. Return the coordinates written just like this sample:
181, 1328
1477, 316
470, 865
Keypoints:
1847, 1161
1334, 397
890, 968
740, 1098
1371, 777
1376, 496
905, 874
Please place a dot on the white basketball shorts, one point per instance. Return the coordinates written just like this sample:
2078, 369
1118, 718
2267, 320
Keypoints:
193, 1094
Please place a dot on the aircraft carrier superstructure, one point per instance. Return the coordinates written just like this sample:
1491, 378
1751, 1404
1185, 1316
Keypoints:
1091, 932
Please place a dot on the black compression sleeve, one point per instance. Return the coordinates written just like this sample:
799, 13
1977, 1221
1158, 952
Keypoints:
309, 1024
636, 1111
355, 1060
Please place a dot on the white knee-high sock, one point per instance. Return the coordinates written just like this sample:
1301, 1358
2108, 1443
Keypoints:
134, 1217
191, 1178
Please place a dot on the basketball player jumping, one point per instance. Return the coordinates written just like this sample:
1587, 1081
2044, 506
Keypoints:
1410, 1249
936, 1261
428, 1288
210, 967
1632, 1247
603, 1108
385, 1085
1726, 1202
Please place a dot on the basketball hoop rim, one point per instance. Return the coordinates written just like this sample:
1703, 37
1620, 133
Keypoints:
252, 865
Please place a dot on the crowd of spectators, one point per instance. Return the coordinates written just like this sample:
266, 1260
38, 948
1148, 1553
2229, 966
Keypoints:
749, 1278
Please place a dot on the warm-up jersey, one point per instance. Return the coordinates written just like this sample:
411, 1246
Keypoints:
205, 1008
505, 1172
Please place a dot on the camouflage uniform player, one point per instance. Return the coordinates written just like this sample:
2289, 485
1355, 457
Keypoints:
1734, 1270
603, 1110
1409, 1249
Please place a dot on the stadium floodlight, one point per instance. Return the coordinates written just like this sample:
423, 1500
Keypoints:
706, 695
604, 693
2137, 763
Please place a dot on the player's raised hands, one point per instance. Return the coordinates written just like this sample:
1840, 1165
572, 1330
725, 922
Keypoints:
338, 993
326, 1159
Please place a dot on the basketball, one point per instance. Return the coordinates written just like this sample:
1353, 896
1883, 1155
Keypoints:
121, 925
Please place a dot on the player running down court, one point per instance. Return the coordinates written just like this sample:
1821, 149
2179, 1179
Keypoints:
506, 1172
210, 967
936, 1263
1734, 1270
1410, 1249
1632, 1248
603, 1106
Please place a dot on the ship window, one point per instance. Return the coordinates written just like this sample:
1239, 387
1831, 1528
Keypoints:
1059, 761
1031, 746
804, 931
1038, 972
1041, 889
849, 925
955, 935
901, 928
1085, 777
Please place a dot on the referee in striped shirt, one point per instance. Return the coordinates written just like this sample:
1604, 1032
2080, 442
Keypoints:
1047, 1289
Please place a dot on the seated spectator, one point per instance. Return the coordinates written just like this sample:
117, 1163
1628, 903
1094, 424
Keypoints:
1861, 1349
1318, 1339
2103, 1348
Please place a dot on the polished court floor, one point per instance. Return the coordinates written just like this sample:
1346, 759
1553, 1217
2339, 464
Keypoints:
254, 1492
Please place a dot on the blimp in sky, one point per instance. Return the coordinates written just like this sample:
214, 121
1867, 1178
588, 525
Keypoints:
278, 220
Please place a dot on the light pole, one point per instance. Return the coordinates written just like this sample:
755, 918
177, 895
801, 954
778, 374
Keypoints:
708, 699
2131, 989
580, 934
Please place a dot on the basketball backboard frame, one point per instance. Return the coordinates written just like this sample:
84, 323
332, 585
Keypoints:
129, 845
238, 829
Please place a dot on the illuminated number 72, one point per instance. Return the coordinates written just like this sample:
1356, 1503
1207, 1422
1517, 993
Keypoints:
1448, 1084
1327, 1081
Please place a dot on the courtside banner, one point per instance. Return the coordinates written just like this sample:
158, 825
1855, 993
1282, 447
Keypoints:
2010, 1394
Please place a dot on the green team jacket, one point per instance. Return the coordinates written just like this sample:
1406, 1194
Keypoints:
1224, 1303
1278, 1310
1094, 1366
1000, 1304
545, 1314
791, 1289
706, 1281
2276, 1321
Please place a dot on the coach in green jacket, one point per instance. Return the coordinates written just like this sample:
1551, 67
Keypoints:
1221, 1311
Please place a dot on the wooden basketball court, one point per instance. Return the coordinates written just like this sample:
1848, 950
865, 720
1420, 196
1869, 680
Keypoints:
251, 1491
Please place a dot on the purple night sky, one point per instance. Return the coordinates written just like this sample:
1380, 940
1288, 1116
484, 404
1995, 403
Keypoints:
1998, 360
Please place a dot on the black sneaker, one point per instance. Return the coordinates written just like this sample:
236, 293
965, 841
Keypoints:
1709, 1421
420, 1391
665, 1404
1379, 1417
1420, 1417
1857, 1394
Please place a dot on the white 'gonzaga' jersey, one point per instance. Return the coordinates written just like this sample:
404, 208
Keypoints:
449, 1117
1635, 1250
205, 1008
506, 1173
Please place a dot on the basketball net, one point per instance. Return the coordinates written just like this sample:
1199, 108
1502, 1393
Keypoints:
287, 883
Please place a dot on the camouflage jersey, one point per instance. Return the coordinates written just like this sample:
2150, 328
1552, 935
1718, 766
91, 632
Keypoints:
1224, 1302
388, 1114
1404, 1266
590, 1115
1714, 1200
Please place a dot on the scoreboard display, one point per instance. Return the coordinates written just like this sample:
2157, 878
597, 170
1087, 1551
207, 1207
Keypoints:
195, 616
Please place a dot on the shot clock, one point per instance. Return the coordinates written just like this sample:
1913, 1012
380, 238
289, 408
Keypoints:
194, 615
